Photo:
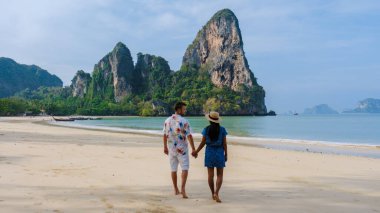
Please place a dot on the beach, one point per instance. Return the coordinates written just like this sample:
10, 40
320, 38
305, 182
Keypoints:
47, 168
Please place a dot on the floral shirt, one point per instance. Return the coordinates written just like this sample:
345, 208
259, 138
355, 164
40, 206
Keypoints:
177, 129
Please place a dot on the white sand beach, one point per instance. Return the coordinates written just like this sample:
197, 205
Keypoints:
45, 168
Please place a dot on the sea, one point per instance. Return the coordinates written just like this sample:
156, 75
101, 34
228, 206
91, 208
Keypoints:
350, 128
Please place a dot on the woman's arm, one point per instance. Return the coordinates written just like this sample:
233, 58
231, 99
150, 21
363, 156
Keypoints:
201, 145
225, 147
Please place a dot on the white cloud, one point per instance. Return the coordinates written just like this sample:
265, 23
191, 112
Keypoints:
67, 35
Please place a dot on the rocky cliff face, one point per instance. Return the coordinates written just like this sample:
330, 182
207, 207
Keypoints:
215, 76
80, 83
218, 48
113, 75
153, 73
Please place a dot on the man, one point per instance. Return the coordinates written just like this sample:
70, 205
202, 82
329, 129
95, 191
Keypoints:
177, 131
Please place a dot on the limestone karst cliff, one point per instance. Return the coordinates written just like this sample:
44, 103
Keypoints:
218, 49
80, 84
112, 77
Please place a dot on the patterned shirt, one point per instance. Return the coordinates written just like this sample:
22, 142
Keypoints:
177, 129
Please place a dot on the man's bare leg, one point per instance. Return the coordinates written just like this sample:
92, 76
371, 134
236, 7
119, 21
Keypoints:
219, 181
184, 178
174, 179
210, 172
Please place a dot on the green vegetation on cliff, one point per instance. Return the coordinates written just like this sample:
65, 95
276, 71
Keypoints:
15, 77
212, 77
156, 96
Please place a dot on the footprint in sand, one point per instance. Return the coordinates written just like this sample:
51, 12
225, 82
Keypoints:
105, 201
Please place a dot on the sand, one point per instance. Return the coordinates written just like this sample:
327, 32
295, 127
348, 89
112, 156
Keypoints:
46, 168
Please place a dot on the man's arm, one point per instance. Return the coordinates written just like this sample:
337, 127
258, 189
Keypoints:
188, 132
165, 138
190, 138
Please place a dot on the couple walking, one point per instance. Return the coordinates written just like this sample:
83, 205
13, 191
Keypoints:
177, 132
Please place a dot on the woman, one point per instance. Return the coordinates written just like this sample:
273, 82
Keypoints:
214, 137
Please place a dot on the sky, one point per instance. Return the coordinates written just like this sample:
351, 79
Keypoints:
303, 53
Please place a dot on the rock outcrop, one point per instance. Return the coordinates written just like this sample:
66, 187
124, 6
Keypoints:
321, 109
153, 73
113, 76
80, 83
218, 48
369, 105
214, 76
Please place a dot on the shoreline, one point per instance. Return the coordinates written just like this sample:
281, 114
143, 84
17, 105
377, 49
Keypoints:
327, 147
50, 168
287, 140
307, 146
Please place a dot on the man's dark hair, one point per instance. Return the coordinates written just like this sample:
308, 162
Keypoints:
179, 105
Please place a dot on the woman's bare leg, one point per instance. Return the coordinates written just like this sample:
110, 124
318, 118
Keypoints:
219, 181
211, 181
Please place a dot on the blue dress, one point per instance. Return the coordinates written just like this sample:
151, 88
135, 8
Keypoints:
214, 155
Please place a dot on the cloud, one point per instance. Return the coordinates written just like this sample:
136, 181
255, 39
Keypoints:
286, 42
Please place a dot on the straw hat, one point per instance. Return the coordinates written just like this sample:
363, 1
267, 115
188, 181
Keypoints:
213, 116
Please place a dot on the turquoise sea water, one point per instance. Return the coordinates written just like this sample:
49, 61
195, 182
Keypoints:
342, 128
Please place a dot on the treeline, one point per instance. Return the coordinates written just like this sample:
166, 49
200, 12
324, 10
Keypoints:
193, 87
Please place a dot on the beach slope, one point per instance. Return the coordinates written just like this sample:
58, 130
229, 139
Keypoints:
46, 168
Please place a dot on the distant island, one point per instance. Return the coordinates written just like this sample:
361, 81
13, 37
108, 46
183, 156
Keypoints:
369, 105
214, 75
321, 109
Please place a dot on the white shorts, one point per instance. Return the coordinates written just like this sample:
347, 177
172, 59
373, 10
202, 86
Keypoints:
182, 160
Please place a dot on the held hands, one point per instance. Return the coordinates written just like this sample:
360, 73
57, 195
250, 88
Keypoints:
166, 151
194, 154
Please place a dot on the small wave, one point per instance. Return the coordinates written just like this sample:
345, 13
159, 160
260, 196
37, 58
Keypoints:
242, 139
